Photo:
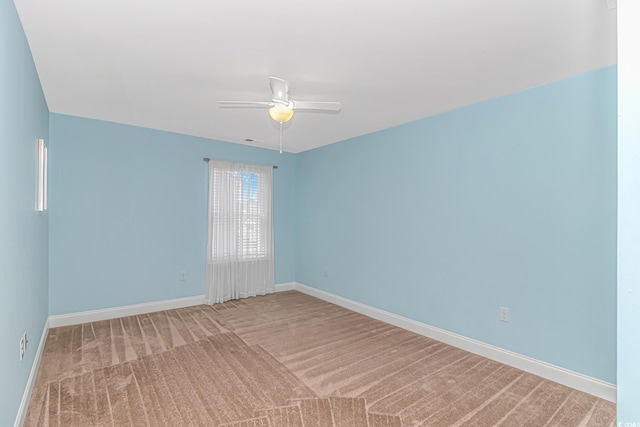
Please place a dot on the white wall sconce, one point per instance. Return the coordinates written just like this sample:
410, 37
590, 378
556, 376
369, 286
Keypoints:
41, 202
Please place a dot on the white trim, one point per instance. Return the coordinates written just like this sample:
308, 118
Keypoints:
122, 311
26, 396
546, 370
290, 286
59, 320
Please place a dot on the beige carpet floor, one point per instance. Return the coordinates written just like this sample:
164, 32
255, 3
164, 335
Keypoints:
284, 360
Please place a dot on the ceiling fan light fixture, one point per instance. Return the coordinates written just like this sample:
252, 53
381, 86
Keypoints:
281, 113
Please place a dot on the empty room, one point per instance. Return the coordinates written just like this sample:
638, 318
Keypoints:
299, 213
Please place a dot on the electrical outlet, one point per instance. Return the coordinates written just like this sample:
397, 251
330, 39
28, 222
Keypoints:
504, 314
183, 276
326, 272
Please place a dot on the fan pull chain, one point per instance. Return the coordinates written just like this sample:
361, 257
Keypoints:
280, 137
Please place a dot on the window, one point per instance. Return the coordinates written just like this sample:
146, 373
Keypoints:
239, 229
246, 216
240, 248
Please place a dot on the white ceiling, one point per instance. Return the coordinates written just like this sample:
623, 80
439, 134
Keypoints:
165, 64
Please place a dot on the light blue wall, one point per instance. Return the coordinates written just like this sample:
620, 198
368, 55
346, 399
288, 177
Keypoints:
23, 231
510, 202
628, 214
129, 212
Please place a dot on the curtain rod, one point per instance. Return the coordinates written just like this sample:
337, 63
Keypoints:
206, 159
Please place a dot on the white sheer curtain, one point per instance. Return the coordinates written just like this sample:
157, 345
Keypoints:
240, 238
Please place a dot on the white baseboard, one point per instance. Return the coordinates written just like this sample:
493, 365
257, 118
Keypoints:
122, 311
26, 396
132, 310
290, 286
551, 372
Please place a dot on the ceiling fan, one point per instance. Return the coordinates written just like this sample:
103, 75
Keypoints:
281, 107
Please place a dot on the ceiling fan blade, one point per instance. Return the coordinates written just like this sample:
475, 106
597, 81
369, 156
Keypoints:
310, 105
245, 104
279, 88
